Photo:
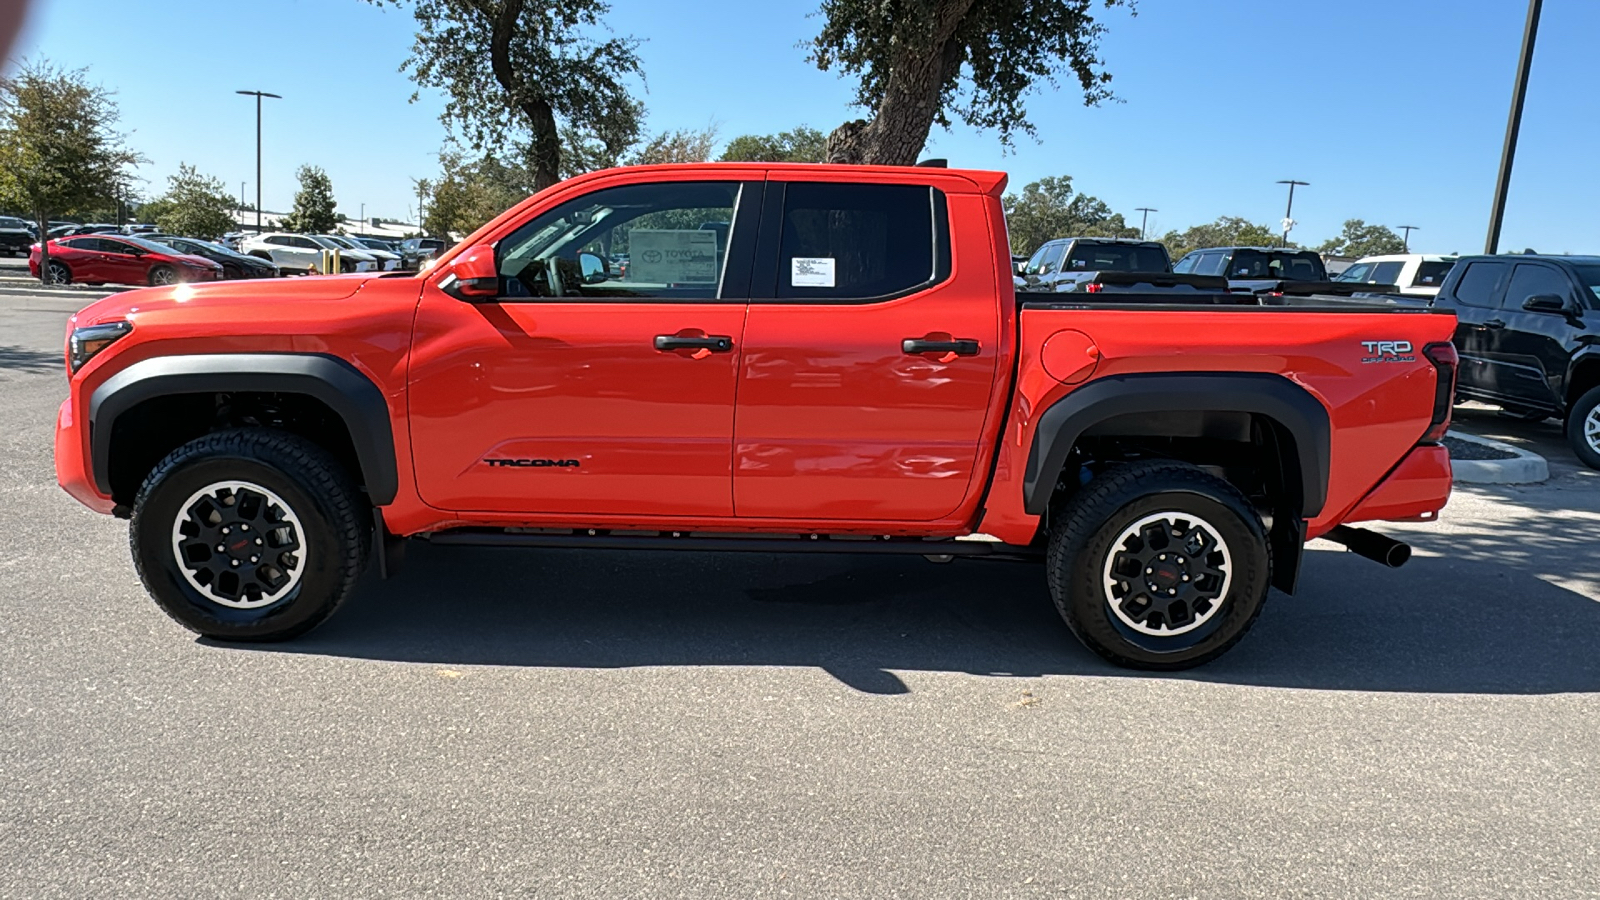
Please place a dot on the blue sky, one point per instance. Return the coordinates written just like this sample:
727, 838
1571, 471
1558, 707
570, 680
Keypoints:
1393, 110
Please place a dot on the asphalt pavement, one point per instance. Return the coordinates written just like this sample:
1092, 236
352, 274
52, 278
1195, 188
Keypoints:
565, 724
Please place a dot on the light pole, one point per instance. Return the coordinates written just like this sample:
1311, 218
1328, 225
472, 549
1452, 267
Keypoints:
363, 218
1288, 214
1408, 229
1519, 92
258, 95
241, 195
1145, 220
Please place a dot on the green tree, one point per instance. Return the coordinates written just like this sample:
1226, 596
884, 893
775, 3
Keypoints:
1359, 239
59, 152
804, 144
468, 193
923, 62
314, 208
1227, 231
194, 205
1049, 209
684, 145
516, 71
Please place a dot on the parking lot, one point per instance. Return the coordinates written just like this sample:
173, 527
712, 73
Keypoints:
610, 725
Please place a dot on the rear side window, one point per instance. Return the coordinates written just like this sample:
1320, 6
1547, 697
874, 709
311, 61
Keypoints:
861, 241
1480, 283
1431, 273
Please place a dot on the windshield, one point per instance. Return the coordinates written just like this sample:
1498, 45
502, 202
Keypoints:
151, 246
1589, 275
8, 222
374, 244
1088, 256
332, 240
1277, 264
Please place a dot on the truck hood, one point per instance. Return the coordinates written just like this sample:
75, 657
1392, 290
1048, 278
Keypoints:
255, 296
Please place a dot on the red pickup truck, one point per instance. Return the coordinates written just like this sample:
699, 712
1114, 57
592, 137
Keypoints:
796, 358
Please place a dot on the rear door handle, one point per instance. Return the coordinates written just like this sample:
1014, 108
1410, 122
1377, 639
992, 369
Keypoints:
1494, 323
958, 346
716, 343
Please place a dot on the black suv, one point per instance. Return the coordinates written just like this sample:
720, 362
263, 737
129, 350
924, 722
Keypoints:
1092, 265
1271, 270
1529, 337
414, 252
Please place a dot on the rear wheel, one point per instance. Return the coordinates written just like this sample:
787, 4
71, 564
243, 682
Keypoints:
248, 535
1583, 428
1158, 565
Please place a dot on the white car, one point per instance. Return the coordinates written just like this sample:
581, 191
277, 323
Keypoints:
386, 261
1419, 274
304, 253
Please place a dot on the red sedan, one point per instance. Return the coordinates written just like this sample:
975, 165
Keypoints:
115, 259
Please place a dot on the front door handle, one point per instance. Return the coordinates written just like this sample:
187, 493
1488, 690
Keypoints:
1494, 323
716, 343
958, 346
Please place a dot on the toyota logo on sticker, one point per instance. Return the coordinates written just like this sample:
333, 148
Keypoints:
651, 256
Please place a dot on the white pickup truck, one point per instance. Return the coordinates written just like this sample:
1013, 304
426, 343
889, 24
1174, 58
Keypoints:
1419, 274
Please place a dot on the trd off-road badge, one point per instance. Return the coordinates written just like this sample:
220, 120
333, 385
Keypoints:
533, 463
1387, 352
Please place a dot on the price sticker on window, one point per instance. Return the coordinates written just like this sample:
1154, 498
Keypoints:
811, 271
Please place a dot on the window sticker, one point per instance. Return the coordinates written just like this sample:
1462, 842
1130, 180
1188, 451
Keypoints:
672, 256
811, 271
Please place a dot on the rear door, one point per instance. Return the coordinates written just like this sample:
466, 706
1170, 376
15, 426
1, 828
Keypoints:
869, 360
580, 391
1477, 296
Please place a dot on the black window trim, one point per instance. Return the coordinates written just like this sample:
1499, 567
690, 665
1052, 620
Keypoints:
768, 268
734, 286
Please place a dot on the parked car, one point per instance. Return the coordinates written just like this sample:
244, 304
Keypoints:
1095, 265
1528, 331
72, 229
16, 236
139, 228
234, 265
303, 253
416, 252
351, 258
384, 261
377, 244
1418, 274
864, 381
117, 259
1271, 270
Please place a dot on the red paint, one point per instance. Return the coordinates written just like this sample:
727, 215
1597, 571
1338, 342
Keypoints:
814, 420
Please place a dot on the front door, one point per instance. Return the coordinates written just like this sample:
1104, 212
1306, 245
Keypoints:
1531, 352
601, 380
868, 362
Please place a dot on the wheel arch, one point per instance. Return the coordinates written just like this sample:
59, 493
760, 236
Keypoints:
183, 394
1583, 377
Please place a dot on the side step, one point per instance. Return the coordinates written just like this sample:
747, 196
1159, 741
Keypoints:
601, 539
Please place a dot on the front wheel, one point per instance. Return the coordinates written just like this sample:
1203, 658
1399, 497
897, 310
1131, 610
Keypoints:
163, 275
248, 535
1583, 428
58, 273
1158, 565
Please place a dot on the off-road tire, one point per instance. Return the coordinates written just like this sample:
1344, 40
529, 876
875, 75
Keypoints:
333, 542
1584, 414
1080, 555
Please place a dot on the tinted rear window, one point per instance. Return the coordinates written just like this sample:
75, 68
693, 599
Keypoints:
858, 241
1087, 256
1290, 266
1480, 283
1431, 274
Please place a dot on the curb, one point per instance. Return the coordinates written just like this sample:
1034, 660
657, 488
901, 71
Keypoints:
1525, 468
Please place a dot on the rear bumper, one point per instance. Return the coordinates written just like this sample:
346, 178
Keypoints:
1415, 491
72, 463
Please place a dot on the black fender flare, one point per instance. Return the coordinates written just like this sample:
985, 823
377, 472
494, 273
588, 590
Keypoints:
335, 382
1273, 396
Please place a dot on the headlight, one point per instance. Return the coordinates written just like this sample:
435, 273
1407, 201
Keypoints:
91, 339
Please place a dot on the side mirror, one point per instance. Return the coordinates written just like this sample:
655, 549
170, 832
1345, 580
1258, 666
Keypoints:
1546, 303
593, 267
1021, 268
474, 275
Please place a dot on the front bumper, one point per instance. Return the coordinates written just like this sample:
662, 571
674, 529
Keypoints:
72, 462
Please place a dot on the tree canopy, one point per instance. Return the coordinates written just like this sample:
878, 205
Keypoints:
315, 211
517, 71
470, 192
918, 63
683, 145
1049, 208
59, 151
1359, 239
1227, 231
194, 205
803, 144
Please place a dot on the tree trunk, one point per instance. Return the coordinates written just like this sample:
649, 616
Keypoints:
910, 102
541, 118
43, 219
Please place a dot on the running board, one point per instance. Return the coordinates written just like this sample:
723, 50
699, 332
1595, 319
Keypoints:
600, 539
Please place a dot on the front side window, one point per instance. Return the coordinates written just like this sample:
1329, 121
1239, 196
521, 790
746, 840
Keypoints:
1532, 279
1387, 272
1035, 264
1211, 263
1360, 272
673, 234
860, 241
1186, 265
1050, 263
